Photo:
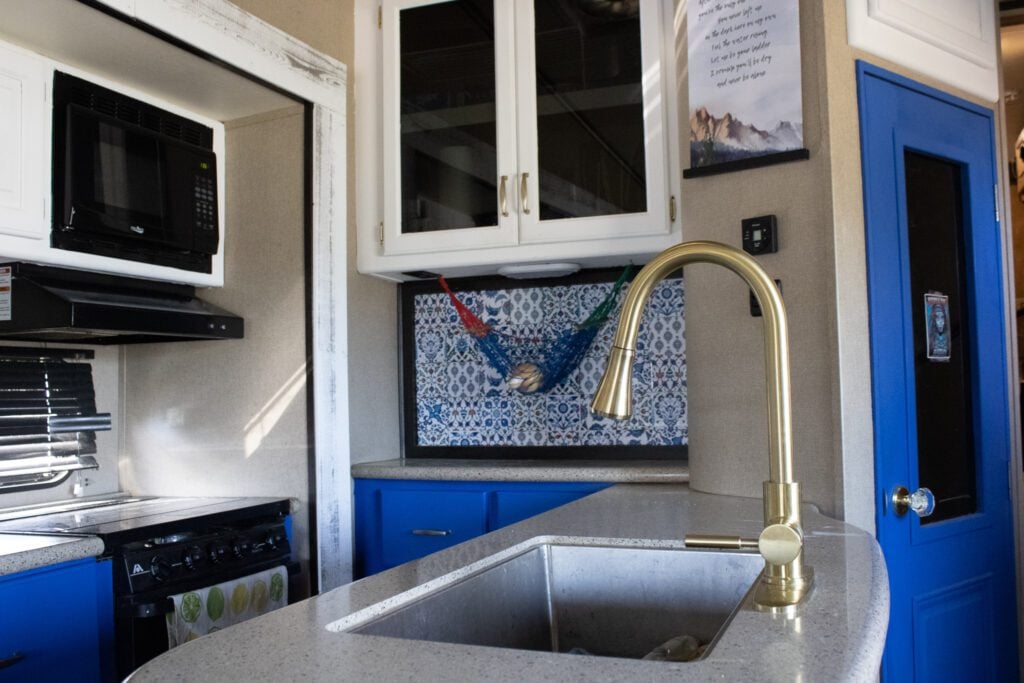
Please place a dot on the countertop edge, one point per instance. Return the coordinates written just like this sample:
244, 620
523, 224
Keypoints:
61, 549
611, 471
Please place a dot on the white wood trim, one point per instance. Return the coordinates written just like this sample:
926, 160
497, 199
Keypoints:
123, 6
330, 350
221, 28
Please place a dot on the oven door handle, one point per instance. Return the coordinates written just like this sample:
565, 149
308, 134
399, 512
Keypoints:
151, 609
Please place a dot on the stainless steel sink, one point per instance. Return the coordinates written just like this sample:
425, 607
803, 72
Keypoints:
607, 601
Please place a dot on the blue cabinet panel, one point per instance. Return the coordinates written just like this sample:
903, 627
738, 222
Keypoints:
397, 521
514, 506
420, 522
59, 621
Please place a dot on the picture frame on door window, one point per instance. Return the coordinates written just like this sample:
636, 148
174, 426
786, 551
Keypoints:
936, 315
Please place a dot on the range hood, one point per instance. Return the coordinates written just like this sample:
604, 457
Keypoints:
50, 304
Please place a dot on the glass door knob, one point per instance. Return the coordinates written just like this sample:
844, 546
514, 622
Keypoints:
921, 501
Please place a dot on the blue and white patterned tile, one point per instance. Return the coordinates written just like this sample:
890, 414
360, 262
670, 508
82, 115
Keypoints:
465, 401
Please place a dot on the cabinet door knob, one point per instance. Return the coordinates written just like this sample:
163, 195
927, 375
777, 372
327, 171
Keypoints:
524, 192
503, 195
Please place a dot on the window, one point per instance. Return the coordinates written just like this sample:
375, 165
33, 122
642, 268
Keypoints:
48, 418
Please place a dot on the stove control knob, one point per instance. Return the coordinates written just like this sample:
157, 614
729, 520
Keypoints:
191, 557
270, 541
240, 548
160, 569
217, 552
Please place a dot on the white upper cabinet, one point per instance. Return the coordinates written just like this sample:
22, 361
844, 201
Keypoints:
24, 144
953, 41
521, 132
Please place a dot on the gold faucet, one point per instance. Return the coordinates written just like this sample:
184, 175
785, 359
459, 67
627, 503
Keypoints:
785, 580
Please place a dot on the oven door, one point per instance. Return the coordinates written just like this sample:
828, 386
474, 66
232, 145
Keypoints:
140, 621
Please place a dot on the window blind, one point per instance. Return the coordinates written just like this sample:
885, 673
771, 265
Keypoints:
48, 418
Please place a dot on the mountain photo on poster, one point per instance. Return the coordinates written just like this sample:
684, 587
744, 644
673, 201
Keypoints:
745, 82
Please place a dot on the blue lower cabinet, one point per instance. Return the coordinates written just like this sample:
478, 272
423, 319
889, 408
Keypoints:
515, 506
417, 523
398, 521
56, 623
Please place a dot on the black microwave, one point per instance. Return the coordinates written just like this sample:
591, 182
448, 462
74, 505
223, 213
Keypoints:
130, 180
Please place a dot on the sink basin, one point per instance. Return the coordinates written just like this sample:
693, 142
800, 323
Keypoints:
598, 600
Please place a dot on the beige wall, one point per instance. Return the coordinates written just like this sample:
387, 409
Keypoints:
328, 26
228, 418
725, 357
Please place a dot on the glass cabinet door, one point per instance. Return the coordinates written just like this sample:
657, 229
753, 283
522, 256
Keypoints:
449, 125
592, 142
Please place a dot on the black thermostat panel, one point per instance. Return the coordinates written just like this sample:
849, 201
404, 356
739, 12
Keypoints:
760, 235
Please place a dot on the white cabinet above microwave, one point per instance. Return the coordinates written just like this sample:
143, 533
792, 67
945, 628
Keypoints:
24, 145
27, 184
522, 132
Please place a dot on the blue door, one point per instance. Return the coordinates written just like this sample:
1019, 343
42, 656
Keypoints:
939, 382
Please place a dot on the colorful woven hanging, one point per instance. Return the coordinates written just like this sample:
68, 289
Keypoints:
550, 365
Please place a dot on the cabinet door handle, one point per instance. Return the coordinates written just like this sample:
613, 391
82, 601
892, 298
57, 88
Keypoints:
503, 195
431, 532
524, 192
12, 660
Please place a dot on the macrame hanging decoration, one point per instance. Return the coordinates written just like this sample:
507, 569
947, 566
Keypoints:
530, 365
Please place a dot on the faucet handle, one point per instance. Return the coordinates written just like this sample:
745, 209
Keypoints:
780, 543
719, 542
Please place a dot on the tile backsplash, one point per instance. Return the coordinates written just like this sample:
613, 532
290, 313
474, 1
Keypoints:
460, 400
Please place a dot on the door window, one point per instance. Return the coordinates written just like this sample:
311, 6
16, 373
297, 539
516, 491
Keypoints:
942, 373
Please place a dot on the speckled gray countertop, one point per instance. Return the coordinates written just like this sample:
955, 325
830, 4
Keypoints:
837, 634
612, 471
21, 552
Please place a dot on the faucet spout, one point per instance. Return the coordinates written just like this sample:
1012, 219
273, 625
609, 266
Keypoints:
785, 580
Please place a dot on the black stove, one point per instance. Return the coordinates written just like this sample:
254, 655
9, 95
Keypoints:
160, 547
184, 561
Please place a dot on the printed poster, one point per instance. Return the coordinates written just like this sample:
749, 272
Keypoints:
745, 81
